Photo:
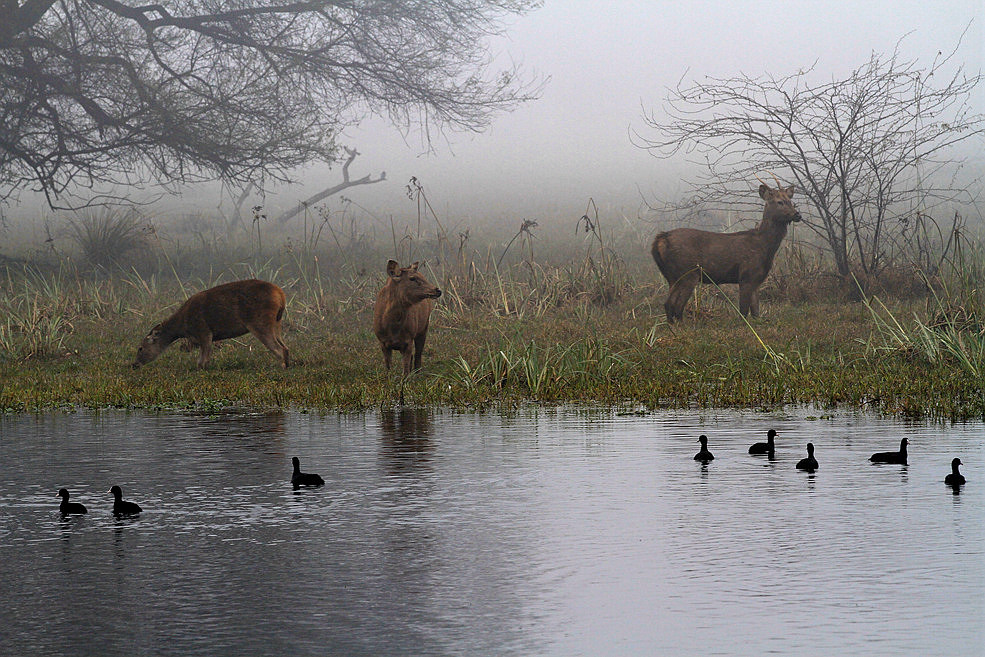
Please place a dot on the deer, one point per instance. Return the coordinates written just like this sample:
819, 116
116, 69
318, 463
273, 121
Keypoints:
219, 313
402, 314
687, 256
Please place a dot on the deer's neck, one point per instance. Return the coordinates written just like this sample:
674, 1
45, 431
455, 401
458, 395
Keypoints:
772, 232
396, 310
171, 329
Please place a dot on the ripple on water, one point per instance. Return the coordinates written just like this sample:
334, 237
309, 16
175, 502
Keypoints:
542, 532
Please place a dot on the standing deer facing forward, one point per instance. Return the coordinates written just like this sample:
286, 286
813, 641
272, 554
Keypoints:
402, 314
687, 256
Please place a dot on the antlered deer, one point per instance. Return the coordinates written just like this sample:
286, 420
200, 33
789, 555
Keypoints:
219, 313
687, 256
402, 314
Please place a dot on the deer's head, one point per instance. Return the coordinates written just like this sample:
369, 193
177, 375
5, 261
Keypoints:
779, 206
410, 283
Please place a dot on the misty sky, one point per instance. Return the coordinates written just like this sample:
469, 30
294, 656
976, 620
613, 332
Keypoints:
549, 156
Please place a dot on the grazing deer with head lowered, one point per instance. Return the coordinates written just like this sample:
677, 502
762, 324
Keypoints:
219, 313
402, 314
687, 256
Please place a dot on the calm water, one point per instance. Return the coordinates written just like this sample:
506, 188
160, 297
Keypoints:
541, 533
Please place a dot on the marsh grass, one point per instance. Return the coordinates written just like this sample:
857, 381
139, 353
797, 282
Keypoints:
951, 328
538, 369
31, 329
955, 334
110, 236
580, 323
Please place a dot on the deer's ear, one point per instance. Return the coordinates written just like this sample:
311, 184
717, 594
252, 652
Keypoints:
413, 267
764, 191
154, 335
790, 190
393, 268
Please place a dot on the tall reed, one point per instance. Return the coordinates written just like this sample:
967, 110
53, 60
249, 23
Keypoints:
955, 334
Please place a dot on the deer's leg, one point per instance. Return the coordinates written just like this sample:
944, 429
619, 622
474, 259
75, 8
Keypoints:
279, 339
680, 292
747, 295
205, 350
419, 349
407, 351
386, 356
754, 302
273, 343
671, 305
287, 354
669, 309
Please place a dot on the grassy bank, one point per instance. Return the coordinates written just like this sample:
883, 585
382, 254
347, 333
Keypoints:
588, 328
830, 354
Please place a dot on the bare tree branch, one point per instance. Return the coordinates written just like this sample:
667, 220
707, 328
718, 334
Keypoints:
868, 152
346, 183
96, 92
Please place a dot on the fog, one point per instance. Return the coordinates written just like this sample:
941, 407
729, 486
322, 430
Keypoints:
603, 69
548, 157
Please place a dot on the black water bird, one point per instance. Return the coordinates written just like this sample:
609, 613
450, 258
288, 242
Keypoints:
810, 463
764, 448
703, 454
955, 478
120, 506
304, 478
67, 507
892, 457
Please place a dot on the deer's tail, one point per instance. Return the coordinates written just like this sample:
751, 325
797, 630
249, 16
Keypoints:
658, 248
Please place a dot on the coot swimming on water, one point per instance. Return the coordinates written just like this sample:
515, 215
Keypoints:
810, 463
892, 457
120, 506
67, 507
303, 478
764, 448
703, 454
955, 478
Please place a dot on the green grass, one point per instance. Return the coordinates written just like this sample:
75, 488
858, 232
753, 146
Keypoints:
612, 355
526, 331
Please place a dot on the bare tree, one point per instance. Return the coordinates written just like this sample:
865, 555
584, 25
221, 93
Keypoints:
871, 153
238, 198
104, 91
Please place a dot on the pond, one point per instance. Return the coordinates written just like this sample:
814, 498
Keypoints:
540, 532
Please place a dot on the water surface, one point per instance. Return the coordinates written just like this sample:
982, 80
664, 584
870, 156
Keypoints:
544, 532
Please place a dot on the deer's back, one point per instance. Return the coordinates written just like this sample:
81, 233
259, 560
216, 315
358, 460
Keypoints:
721, 257
227, 310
